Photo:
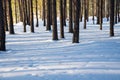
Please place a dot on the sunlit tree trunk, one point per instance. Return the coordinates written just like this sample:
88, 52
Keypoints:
16, 17
37, 22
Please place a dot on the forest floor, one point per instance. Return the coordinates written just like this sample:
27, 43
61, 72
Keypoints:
35, 56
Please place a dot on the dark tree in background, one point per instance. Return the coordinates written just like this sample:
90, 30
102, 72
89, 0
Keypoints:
44, 13
98, 11
5, 15
64, 12
31, 16
85, 14
2, 28
48, 27
24, 15
93, 11
70, 17
37, 23
11, 27
101, 14
111, 17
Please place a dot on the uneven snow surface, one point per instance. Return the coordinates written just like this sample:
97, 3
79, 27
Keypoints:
35, 56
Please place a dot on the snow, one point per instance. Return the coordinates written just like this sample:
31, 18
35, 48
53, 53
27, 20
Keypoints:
35, 56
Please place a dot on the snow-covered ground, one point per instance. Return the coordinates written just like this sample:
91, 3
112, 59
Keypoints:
34, 56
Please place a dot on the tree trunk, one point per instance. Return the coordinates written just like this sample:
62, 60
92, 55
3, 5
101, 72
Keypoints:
37, 22
111, 17
64, 12
61, 20
44, 14
24, 15
116, 11
85, 14
20, 10
101, 14
48, 27
11, 29
54, 20
16, 20
98, 11
76, 24
2, 28
70, 17
5, 15
31, 16
93, 12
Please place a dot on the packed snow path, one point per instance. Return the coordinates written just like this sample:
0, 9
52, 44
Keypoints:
34, 56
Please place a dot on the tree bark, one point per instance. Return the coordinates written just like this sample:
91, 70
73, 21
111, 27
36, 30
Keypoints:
31, 16
76, 24
111, 17
70, 17
48, 27
11, 29
2, 28
61, 20
54, 20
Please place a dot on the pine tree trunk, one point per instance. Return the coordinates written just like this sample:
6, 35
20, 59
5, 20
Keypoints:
107, 9
16, 12
2, 28
48, 27
111, 17
31, 16
64, 12
54, 20
20, 10
82, 8
85, 14
115, 11
98, 11
93, 12
118, 11
101, 14
87, 10
5, 15
11, 29
37, 23
70, 17
44, 14
61, 20
24, 16
76, 24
